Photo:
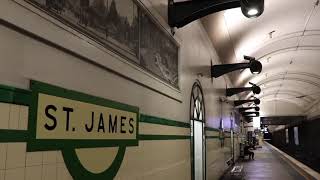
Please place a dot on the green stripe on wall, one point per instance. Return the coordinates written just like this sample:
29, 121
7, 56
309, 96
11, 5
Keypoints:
161, 121
143, 137
14, 95
13, 135
211, 129
212, 137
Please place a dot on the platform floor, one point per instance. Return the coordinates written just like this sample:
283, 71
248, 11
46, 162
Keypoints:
269, 165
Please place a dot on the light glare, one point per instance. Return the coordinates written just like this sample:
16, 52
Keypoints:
252, 12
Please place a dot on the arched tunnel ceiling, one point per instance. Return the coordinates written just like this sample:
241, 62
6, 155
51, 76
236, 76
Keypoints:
285, 39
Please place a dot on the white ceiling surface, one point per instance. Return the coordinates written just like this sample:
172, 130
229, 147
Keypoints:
290, 58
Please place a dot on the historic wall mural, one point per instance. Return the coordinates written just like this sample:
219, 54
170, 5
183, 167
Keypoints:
123, 26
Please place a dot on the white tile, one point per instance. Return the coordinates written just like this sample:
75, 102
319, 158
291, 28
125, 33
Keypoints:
63, 173
49, 172
49, 157
16, 155
2, 174
14, 116
3, 155
24, 112
4, 114
15, 174
34, 158
33, 173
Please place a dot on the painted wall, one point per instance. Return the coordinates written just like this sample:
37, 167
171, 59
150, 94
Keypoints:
61, 56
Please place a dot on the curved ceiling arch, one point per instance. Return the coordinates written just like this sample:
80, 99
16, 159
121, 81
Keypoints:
287, 36
289, 73
283, 74
266, 81
278, 94
288, 49
287, 43
261, 52
287, 92
284, 100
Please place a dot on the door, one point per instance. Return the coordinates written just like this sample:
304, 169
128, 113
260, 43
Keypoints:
197, 121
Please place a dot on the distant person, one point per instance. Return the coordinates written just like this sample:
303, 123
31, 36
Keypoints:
247, 150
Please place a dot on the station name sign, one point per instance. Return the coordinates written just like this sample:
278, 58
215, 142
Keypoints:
61, 118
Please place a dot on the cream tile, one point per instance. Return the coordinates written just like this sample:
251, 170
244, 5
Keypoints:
2, 174
60, 157
34, 158
3, 155
49, 172
15, 174
16, 154
14, 116
4, 114
24, 112
33, 173
49, 157
63, 173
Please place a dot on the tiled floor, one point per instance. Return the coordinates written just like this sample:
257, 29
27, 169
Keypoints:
268, 165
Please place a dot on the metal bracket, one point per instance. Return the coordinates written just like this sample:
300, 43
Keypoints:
182, 13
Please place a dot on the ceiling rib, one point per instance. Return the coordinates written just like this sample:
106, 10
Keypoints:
266, 81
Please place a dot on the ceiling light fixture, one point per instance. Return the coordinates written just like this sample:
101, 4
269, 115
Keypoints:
252, 8
243, 109
181, 13
232, 91
240, 102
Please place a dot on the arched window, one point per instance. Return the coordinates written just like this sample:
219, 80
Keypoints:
197, 104
197, 121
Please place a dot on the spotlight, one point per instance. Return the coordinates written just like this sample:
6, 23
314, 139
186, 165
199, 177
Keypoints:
255, 89
256, 101
252, 8
254, 65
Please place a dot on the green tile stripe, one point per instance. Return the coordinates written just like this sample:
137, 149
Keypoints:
213, 137
7, 135
212, 129
162, 121
144, 137
14, 95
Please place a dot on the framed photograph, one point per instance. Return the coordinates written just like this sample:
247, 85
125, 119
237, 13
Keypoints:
123, 26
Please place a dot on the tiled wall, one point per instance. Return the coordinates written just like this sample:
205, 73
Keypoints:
15, 162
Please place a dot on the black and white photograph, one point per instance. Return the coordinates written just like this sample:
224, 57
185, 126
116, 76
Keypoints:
121, 24
158, 53
108, 21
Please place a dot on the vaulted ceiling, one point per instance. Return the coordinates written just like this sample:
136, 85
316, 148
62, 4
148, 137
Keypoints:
285, 39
